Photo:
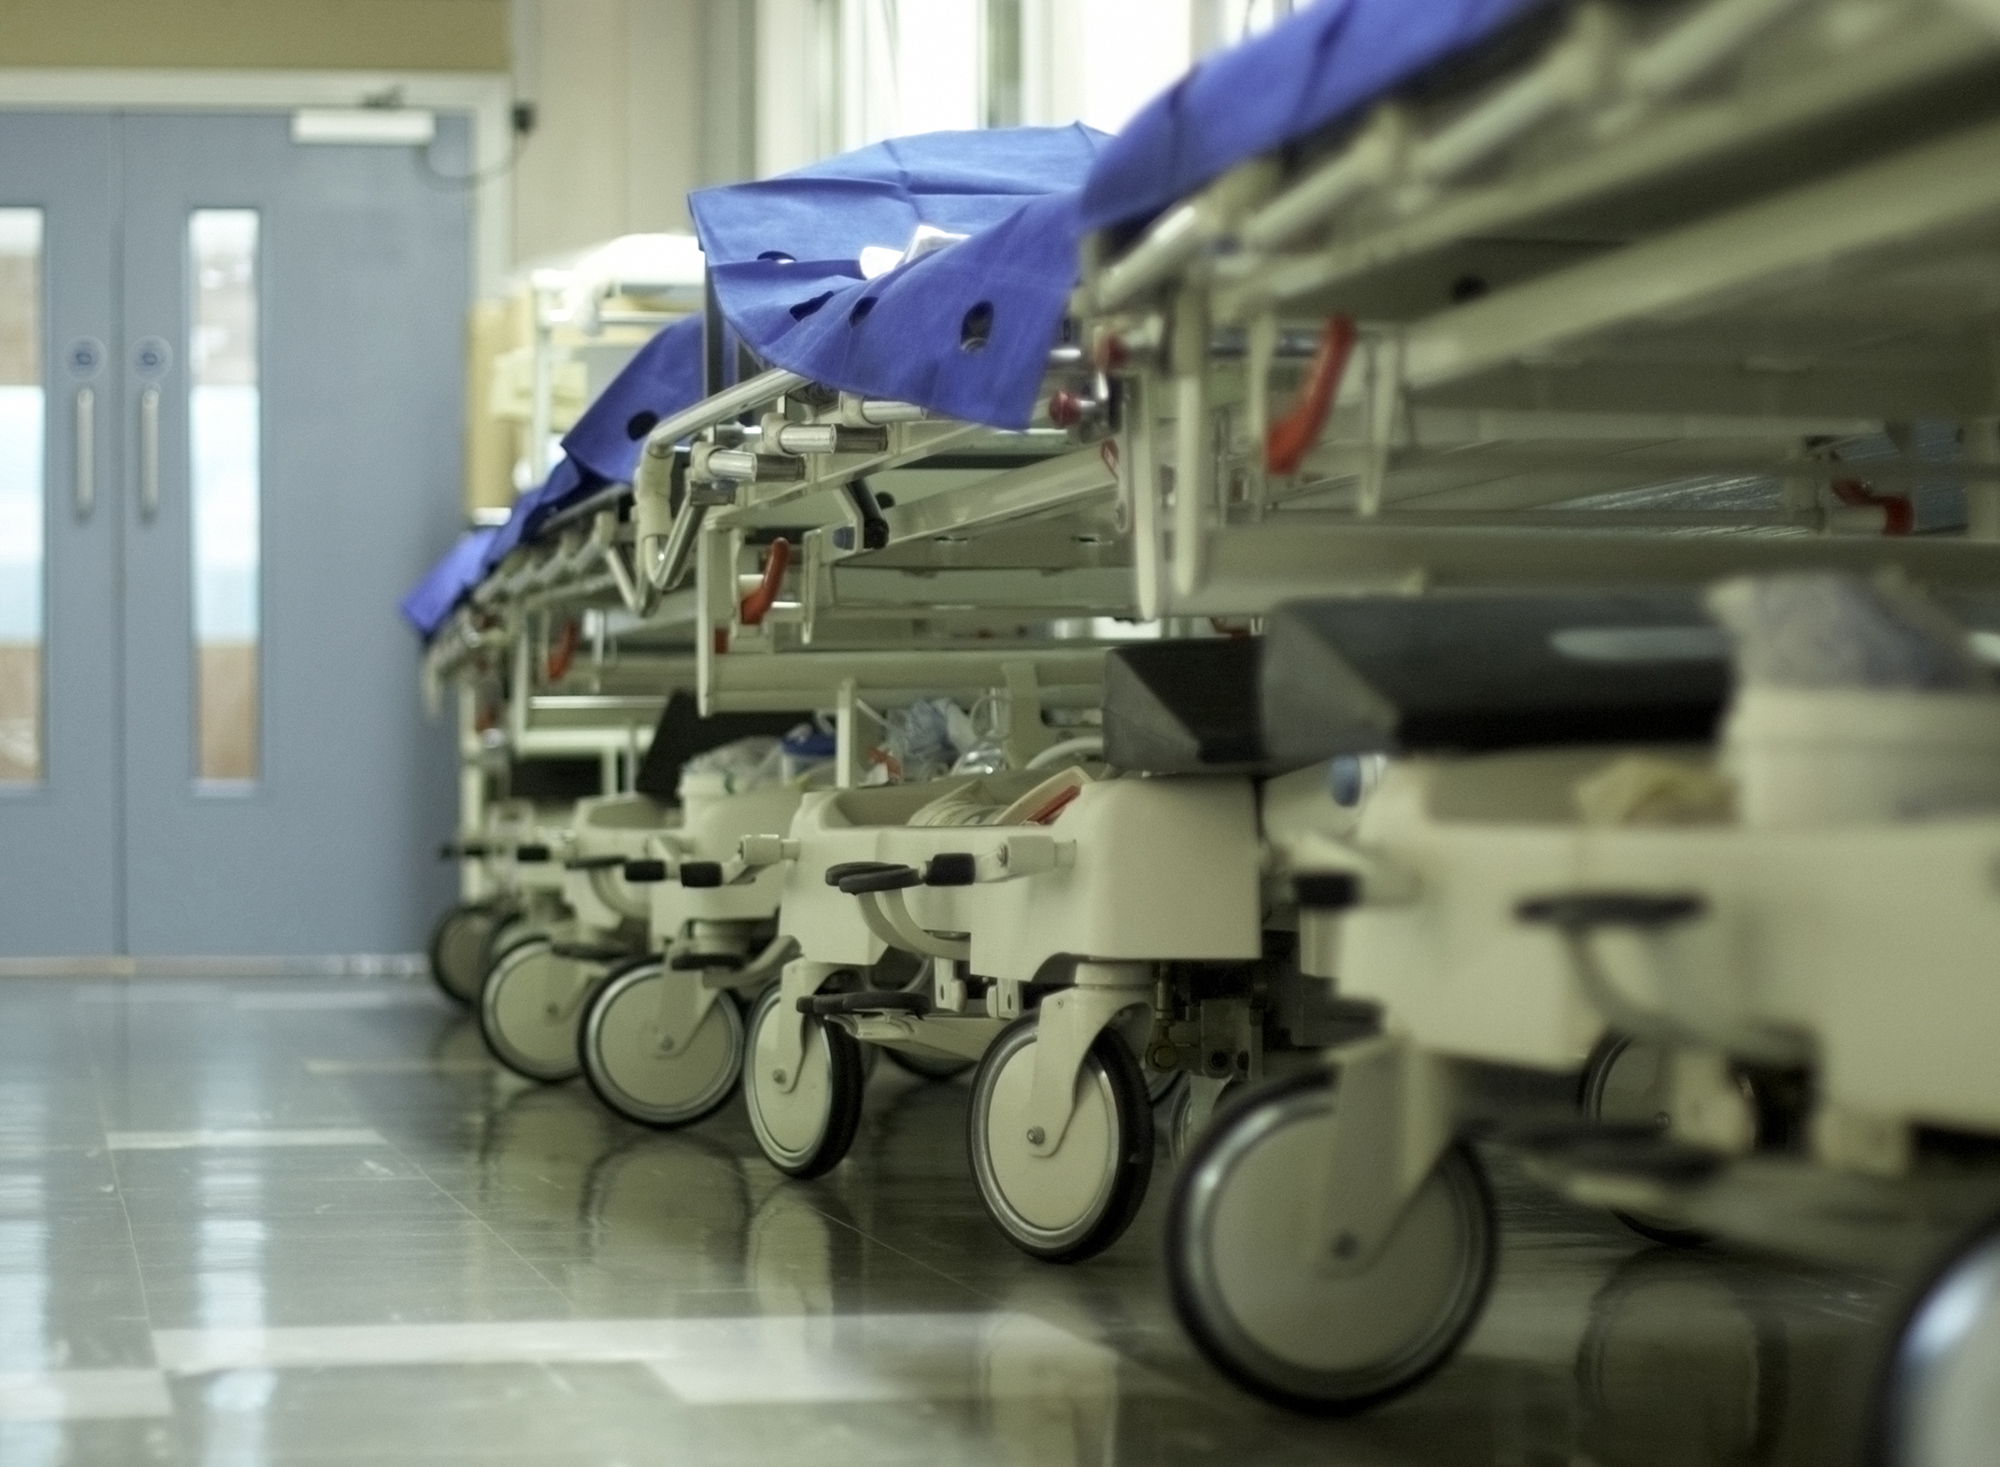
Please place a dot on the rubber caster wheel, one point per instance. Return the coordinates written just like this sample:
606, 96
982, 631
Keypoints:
530, 1007
1619, 1086
805, 1122
939, 1067
619, 1049
1192, 1107
1935, 1404
458, 949
1076, 1202
512, 928
1162, 1086
1319, 1342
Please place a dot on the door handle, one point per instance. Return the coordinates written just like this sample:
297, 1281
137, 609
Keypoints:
86, 452
149, 453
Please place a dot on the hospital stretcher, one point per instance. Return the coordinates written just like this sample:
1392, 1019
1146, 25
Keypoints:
933, 554
1620, 295
1595, 297
1800, 978
1656, 272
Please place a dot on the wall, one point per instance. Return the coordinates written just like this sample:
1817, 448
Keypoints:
328, 35
637, 102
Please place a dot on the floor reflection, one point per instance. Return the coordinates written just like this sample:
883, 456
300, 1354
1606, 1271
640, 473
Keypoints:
325, 1229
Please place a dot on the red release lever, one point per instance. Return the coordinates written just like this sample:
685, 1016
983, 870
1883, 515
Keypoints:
1899, 516
1286, 444
759, 602
563, 653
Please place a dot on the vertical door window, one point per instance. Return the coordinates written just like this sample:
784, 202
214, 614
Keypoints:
225, 481
22, 416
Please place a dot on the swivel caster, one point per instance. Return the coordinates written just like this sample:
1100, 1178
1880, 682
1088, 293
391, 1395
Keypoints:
1936, 1405
1077, 1200
1192, 1107
805, 1121
1620, 1081
529, 1009
458, 948
511, 927
626, 1058
1315, 1339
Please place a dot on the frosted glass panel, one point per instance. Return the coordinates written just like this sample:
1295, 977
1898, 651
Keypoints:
224, 437
21, 553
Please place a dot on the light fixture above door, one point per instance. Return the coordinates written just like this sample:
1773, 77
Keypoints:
379, 127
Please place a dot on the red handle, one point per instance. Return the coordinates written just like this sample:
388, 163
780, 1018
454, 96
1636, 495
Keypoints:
1899, 517
759, 602
563, 653
1292, 435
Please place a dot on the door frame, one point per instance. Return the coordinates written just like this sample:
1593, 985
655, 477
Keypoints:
487, 97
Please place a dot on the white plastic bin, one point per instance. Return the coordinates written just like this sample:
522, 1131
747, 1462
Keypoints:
1836, 756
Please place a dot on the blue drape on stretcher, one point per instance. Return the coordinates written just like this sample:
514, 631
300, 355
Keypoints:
603, 447
964, 331
433, 598
1321, 64
663, 378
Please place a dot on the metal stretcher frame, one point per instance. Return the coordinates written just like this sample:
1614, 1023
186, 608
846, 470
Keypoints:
1611, 269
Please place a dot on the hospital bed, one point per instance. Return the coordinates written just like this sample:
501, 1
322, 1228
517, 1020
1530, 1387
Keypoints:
936, 558
1599, 297
1475, 283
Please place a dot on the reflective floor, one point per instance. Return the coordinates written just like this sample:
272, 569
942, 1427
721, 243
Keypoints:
247, 1222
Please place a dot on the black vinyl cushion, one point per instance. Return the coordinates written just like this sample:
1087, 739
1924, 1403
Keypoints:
1183, 707
1384, 674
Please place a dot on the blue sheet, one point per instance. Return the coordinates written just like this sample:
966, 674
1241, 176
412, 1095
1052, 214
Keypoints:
662, 379
1320, 64
963, 331
432, 600
602, 449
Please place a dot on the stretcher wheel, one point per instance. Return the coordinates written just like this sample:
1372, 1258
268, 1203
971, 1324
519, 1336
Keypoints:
1322, 1342
1075, 1203
805, 1130
929, 1066
1936, 1405
619, 1050
1618, 1088
530, 1008
1189, 1115
1160, 1083
458, 949
512, 927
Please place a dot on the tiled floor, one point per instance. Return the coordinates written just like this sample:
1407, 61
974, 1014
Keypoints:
247, 1222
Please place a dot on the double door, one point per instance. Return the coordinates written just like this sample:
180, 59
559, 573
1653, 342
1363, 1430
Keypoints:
230, 398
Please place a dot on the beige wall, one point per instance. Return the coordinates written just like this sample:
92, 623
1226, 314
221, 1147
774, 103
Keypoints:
637, 102
328, 35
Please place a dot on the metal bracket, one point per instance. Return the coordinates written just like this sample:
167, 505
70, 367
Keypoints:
801, 978
1394, 1114
1384, 408
1066, 1025
684, 1002
1026, 735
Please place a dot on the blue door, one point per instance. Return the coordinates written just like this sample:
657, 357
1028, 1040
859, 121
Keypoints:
249, 375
